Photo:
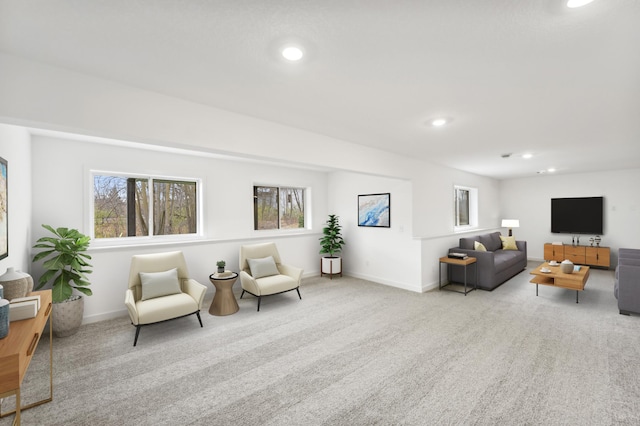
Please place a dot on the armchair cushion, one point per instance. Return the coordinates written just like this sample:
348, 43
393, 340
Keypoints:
158, 284
164, 308
263, 267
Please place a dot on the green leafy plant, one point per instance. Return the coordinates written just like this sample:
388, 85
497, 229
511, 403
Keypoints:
65, 262
331, 242
221, 263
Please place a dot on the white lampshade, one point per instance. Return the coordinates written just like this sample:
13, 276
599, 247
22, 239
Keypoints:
510, 223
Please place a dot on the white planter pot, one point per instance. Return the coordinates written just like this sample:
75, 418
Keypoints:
331, 265
66, 317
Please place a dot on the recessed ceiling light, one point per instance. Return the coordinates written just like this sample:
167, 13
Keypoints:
551, 170
577, 3
292, 53
438, 122
527, 156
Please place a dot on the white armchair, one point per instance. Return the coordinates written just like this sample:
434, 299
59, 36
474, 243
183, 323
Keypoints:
160, 289
263, 274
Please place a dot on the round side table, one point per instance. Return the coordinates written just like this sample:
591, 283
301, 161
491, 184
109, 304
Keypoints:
224, 301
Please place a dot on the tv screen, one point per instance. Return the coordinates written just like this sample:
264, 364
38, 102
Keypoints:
577, 215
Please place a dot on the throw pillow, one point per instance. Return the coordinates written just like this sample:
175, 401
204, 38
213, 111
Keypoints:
479, 246
158, 284
264, 267
509, 243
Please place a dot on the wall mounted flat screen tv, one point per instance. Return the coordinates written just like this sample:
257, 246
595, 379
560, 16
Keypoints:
577, 215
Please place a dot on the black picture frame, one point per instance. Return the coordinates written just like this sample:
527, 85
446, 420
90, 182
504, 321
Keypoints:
374, 210
4, 209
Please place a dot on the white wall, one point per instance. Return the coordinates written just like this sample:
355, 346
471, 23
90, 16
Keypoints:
386, 255
434, 214
41, 96
61, 182
529, 200
16, 149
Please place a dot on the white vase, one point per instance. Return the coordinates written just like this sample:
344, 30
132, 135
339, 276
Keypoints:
566, 267
16, 283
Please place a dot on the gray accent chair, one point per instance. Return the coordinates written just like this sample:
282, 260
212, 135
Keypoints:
495, 266
627, 284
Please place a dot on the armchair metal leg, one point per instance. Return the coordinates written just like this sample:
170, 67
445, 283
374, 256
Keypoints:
199, 319
137, 333
259, 298
298, 290
242, 294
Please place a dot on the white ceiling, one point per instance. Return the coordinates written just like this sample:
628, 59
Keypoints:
515, 76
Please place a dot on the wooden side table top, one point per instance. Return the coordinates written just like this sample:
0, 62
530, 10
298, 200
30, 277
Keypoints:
453, 261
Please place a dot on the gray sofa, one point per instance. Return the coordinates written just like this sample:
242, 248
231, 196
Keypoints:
495, 266
627, 285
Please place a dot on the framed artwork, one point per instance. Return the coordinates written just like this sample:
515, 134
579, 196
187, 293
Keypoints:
4, 223
374, 210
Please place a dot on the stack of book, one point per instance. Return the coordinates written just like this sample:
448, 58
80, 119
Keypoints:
460, 256
225, 274
24, 308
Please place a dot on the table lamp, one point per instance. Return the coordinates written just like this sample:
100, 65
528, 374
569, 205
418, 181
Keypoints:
510, 223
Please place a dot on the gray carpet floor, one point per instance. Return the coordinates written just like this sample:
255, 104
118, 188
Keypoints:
353, 352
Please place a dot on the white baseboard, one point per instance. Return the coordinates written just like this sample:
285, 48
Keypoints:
105, 316
401, 285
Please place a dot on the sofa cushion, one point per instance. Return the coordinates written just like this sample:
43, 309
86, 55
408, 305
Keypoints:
158, 284
477, 245
467, 243
504, 259
508, 243
491, 241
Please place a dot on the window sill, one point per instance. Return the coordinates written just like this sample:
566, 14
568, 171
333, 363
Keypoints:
97, 246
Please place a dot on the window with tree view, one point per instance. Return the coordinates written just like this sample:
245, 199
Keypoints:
278, 207
465, 208
123, 206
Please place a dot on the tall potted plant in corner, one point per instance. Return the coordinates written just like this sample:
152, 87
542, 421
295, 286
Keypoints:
65, 263
331, 244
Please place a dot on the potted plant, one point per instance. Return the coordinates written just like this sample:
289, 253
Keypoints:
221, 264
65, 263
331, 244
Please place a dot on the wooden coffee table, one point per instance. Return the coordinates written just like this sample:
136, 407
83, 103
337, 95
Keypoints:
574, 281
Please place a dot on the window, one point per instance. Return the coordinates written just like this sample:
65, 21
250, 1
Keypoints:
278, 207
465, 208
122, 206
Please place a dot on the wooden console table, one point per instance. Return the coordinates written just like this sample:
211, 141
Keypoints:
16, 351
580, 255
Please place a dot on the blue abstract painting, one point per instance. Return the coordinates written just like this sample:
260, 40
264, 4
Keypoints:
374, 210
